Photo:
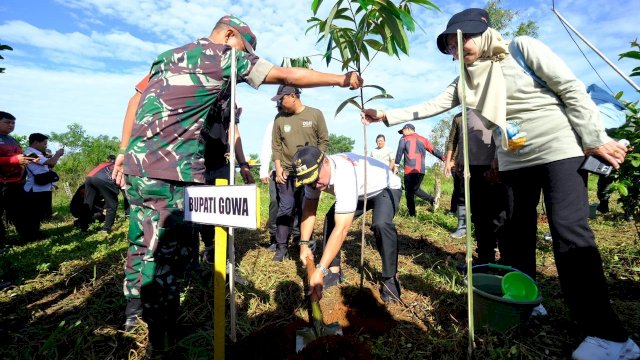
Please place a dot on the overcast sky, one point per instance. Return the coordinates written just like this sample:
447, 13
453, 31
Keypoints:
76, 61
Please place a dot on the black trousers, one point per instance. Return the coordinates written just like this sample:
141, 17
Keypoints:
457, 196
488, 212
109, 191
289, 208
385, 206
412, 188
11, 206
576, 254
37, 208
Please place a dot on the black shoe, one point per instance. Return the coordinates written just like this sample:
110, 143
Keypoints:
332, 279
5, 284
272, 247
281, 253
132, 312
390, 290
603, 207
131, 323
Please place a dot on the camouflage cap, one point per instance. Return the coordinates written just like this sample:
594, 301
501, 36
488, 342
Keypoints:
248, 37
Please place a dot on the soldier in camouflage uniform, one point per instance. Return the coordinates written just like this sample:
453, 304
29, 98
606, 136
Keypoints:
165, 153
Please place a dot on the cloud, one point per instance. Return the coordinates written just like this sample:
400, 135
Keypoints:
86, 74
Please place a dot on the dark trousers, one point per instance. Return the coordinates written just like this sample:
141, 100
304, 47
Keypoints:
289, 208
457, 196
11, 206
412, 188
109, 191
488, 212
576, 254
385, 206
37, 208
604, 183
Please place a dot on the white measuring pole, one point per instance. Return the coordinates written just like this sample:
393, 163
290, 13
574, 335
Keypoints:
465, 153
615, 68
232, 177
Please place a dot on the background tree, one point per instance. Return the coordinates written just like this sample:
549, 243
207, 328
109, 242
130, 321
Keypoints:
82, 152
501, 20
4, 47
340, 143
627, 178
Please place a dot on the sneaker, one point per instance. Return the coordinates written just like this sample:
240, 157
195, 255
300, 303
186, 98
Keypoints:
539, 311
332, 279
281, 253
390, 290
272, 247
593, 348
459, 233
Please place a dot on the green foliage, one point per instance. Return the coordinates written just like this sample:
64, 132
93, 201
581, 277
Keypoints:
82, 151
359, 29
4, 47
627, 178
501, 19
339, 143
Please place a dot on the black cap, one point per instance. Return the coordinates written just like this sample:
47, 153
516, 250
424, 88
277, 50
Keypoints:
407, 126
469, 21
306, 164
285, 90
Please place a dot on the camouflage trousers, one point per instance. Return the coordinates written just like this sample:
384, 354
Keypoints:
161, 245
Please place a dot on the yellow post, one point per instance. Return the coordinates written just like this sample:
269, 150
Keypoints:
220, 267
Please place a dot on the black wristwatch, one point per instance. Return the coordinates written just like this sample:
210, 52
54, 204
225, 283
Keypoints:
242, 164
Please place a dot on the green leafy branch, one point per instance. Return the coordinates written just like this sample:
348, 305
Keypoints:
358, 30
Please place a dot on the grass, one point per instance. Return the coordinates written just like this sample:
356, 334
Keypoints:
68, 303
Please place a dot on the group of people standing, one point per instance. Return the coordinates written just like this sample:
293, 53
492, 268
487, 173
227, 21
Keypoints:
25, 196
163, 151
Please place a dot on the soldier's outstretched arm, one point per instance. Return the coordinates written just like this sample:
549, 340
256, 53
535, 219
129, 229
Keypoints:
304, 78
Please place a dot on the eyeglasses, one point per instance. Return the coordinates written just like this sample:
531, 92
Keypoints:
452, 48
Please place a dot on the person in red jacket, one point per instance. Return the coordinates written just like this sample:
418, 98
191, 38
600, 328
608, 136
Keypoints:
414, 149
12, 163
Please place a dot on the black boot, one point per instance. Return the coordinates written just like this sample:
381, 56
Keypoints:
281, 253
390, 290
462, 223
133, 314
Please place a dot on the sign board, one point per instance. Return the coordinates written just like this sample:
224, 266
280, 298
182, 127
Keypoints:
235, 206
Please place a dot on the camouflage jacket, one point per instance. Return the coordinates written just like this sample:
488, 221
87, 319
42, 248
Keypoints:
186, 84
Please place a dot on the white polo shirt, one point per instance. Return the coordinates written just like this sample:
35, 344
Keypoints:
37, 167
347, 180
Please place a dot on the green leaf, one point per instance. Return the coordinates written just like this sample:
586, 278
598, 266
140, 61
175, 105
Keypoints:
351, 101
6, 47
623, 190
329, 20
374, 44
630, 54
424, 3
635, 163
407, 21
380, 96
315, 5
398, 35
382, 90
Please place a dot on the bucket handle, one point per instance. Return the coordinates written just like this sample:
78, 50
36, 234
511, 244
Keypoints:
495, 266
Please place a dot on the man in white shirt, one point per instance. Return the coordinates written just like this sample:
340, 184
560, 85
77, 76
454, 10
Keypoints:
342, 175
38, 196
381, 152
